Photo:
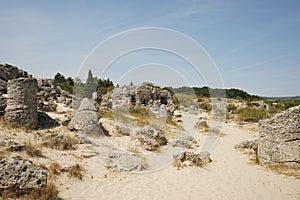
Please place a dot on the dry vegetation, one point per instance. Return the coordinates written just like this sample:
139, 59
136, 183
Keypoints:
60, 142
75, 171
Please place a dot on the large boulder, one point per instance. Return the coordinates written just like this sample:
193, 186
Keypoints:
279, 141
21, 109
16, 173
85, 119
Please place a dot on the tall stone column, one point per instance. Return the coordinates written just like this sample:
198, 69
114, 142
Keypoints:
21, 110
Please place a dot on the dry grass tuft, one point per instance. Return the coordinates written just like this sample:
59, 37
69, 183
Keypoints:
133, 149
55, 168
33, 151
49, 192
61, 142
3, 154
76, 171
178, 164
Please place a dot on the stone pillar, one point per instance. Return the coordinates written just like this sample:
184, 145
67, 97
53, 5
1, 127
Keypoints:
21, 110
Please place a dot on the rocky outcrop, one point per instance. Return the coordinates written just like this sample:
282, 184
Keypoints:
21, 110
49, 94
157, 100
19, 174
279, 139
85, 119
9, 72
151, 138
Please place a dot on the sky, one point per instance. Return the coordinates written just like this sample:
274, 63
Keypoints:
246, 44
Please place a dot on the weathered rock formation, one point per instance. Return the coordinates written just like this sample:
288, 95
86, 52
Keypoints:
19, 174
85, 119
151, 138
279, 141
157, 100
49, 94
21, 110
8, 72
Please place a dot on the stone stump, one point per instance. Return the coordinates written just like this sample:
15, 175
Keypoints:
21, 110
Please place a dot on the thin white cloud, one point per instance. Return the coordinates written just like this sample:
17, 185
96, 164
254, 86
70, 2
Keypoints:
261, 63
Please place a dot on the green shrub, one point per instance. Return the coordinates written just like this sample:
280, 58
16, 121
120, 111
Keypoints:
251, 114
231, 108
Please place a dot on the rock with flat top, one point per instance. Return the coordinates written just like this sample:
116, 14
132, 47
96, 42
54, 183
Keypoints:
279, 139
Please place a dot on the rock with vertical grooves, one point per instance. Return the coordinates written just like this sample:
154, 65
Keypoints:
21, 110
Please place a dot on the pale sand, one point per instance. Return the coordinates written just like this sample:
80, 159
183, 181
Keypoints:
229, 176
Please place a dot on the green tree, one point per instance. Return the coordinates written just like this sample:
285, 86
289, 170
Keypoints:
105, 85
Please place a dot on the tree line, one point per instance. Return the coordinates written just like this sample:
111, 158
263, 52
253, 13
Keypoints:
84, 89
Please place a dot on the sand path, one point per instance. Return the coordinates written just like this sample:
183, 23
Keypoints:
229, 176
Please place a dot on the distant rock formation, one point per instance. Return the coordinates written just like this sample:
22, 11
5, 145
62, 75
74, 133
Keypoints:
9, 72
21, 110
279, 141
19, 174
156, 99
49, 94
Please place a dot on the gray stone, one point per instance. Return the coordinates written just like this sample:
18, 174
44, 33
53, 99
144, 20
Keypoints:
9, 72
279, 139
85, 119
201, 124
21, 110
248, 144
125, 162
183, 141
21, 174
151, 138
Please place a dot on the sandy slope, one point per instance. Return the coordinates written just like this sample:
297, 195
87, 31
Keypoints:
229, 176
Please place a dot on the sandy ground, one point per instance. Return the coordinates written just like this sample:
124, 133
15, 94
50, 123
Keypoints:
229, 176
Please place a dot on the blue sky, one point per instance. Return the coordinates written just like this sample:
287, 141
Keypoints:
254, 44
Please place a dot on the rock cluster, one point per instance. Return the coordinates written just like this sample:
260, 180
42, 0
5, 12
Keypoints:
21, 110
49, 94
156, 99
151, 138
279, 139
85, 119
21, 174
